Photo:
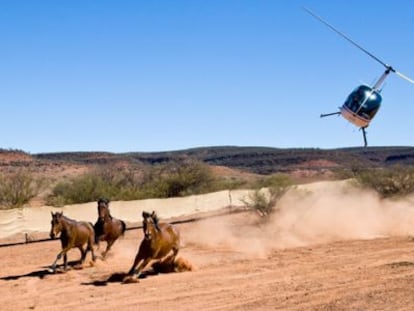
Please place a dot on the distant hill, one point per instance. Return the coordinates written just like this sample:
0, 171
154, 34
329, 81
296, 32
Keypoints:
241, 164
259, 160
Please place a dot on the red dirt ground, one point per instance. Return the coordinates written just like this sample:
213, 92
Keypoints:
230, 274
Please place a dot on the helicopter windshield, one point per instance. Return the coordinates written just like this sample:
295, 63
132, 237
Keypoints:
364, 101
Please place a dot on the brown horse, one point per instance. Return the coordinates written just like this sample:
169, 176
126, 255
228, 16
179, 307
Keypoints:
72, 234
161, 243
107, 228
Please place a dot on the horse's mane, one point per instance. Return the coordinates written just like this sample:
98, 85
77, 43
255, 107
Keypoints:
154, 217
70, 220
145, 214
103, 200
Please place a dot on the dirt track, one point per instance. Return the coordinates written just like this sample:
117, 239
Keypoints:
375, 274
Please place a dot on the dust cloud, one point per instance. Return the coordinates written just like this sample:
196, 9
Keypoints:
310, 214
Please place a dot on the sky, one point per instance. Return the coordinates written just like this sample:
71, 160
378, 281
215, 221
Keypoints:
143, 76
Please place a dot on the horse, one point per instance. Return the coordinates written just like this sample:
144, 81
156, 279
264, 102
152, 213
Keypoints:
72, 234
107, 228
161, 243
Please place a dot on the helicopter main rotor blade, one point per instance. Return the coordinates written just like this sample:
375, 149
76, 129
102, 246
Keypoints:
348, 39
404, 77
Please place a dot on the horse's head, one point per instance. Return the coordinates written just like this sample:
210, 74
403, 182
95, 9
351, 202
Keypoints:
150, 225
56, 224
103, 208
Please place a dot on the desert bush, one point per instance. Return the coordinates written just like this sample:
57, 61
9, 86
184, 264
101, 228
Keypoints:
162, 181
226, 183
177, 179
349, 172
268, 192
18, 188
275, 181
110, 182
172, 179
388, 182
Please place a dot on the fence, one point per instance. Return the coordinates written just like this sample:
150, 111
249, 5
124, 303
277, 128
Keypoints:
24, 223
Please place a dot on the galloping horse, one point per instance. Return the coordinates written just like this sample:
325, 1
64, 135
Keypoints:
107, 228
160, 239
72, 234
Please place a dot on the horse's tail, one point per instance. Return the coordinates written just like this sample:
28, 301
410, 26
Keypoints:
94, 240
123, 224
97, 229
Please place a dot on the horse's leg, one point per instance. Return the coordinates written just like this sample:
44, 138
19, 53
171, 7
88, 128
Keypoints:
53, 266
62, 252
170, 256
83, 254
137, 260
167, 259
108, 247
90, 248
175, 249
142, 266
140, 262
65, 261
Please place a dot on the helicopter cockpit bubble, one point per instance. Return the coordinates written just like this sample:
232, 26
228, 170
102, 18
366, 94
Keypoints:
364, 102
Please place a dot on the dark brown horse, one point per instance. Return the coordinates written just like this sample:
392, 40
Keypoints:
72, 234
161, 243
107, 228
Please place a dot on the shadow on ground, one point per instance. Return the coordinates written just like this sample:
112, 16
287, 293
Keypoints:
46, 270
120, 277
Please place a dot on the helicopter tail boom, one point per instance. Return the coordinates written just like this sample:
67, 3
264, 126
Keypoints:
323, 115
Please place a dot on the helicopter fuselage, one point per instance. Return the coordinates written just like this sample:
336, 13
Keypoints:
361, 106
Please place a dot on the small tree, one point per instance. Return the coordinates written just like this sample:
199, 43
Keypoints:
177, 179
18, 188
114, 183
267, 194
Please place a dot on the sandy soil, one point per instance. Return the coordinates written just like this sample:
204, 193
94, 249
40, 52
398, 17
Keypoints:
238, 266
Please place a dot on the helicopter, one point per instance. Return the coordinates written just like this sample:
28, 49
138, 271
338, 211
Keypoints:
361, 106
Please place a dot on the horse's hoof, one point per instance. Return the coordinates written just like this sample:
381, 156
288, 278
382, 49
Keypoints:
130, 279
51, 270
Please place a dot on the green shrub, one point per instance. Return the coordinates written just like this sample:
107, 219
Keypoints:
276, 181
173, 179
163, 181
18, 188
226, 183
178, 179
264, 202
388, 182
114, 183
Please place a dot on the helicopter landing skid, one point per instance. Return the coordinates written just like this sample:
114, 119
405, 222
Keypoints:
364, 134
